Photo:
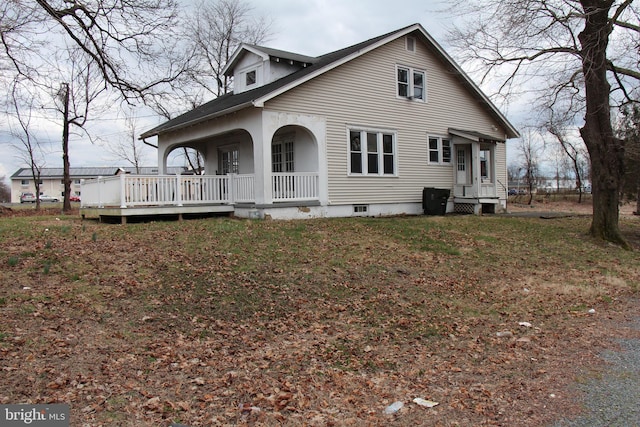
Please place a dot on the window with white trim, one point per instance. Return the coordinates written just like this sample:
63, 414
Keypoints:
411, 83
439, 150
372, 152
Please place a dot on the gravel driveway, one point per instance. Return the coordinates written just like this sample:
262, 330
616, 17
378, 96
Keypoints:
610, 392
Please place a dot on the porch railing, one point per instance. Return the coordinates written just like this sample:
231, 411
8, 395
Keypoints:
176, 190
469, 191
294, 186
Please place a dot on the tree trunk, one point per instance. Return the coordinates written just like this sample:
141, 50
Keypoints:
606, 151
66, 175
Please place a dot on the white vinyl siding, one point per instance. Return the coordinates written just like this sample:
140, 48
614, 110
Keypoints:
340, 97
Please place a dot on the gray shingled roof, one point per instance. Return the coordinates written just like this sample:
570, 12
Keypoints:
231, 102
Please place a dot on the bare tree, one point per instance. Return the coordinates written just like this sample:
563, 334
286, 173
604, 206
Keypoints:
562, 46
514, 173
129, 149
530, 151
22, 103
573, 149
74, 99
220, 27
128, 47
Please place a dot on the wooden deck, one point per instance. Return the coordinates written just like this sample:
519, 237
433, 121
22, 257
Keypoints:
126, 196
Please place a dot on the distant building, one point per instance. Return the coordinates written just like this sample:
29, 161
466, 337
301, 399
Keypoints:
52, 184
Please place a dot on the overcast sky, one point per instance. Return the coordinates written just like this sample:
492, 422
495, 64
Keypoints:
310, 27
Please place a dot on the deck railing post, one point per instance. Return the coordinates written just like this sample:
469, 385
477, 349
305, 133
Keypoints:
178, 190
231, 187
123, 189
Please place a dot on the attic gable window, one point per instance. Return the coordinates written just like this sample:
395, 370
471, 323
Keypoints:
411, 83
411, 44
250, 78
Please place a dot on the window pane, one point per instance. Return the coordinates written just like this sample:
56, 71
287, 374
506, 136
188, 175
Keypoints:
372, 163
418, 79
356, 163
388, 164
372, 153
387, 143
372, 142
403, 82
434, 151
289, 156
418, 85
355, 141
276, 157
403, 75
403, 89
251, 78
446, 151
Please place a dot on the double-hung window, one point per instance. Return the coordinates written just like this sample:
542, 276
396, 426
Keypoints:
411, 83
372, 152
439, 150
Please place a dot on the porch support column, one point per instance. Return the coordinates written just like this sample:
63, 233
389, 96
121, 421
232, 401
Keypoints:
178, 190
123, 189
475, 169
162, 166
262, 167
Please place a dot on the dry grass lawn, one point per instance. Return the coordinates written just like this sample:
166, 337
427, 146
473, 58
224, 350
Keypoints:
322, 322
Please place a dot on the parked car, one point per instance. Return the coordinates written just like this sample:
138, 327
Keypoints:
27, 198
74, 198
45, 198
513, 192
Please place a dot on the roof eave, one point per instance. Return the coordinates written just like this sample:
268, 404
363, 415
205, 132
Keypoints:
154, 132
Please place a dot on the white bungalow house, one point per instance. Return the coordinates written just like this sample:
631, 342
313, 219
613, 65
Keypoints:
359, 131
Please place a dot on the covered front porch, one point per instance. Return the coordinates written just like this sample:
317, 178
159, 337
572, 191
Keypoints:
248, 164
476, 180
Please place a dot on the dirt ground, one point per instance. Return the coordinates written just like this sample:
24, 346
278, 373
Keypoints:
540, 204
